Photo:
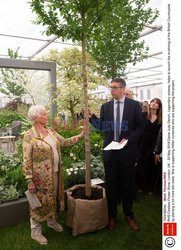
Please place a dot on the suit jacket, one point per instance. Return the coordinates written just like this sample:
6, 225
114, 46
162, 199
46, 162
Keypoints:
132, 128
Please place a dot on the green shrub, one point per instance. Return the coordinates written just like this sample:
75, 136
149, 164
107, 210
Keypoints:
7, 116
96, 143
9, 162
26, 125
8, 193
75, 173
77, 151
73, 158
97, 167
12, 181
16, 178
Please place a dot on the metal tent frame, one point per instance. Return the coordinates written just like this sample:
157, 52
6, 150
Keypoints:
36, 65
137, 75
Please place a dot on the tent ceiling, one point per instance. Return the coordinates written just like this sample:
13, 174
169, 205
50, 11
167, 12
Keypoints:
18, 31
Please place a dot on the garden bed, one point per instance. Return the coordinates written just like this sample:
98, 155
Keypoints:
14, 212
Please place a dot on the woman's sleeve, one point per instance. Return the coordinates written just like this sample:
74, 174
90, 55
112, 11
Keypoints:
158, 146
27, 157
69, 141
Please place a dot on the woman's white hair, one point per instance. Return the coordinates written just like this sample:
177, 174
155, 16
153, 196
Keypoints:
35, 111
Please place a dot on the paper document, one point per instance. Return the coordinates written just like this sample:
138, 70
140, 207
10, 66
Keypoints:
115, 145
33, 200
96, 181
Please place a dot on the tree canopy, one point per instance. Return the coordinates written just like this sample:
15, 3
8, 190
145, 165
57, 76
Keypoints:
114, 42
69, 79
112, 28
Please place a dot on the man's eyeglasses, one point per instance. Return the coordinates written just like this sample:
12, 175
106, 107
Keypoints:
115, 88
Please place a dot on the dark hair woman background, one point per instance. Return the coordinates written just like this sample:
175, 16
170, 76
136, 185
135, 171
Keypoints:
147, 170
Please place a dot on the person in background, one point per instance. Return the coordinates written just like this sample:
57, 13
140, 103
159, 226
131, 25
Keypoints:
147, 171
128, 92
63, 116
158, 159
42, 170
145, 107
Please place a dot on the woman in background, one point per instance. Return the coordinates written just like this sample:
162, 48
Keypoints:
147, 170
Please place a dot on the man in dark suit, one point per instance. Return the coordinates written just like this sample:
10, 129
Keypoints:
120, 119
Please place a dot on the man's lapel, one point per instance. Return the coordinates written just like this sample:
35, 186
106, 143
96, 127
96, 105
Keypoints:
126, 110
111, 110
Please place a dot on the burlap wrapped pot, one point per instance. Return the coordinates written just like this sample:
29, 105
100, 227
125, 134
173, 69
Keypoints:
86, 215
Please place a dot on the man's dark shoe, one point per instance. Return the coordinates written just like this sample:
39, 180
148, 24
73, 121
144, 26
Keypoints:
111, 223
132, 223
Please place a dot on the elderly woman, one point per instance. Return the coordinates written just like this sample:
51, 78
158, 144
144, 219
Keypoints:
42, 170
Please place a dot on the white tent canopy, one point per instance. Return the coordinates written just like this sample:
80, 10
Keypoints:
18, 31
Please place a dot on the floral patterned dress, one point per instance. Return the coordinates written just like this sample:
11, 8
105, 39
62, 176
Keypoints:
38, 165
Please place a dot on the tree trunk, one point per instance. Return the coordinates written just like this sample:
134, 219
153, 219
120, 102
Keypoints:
71, 108
86, 118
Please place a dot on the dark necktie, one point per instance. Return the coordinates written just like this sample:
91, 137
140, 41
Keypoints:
118, 121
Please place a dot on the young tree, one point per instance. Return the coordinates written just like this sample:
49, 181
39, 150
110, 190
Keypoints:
79, 20
69, 72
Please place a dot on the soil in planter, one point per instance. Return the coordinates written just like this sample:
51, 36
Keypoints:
79, 193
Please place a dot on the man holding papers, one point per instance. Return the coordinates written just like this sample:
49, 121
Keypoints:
121, 121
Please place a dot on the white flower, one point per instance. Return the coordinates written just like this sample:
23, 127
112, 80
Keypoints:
71, 169
74, 158
76, 169
71, 154
96, 145
69, 173
75, 172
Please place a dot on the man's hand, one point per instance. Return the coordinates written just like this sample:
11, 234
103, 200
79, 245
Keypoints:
31, 187
122, 141
157, 159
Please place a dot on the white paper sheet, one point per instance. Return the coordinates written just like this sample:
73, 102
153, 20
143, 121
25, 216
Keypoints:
33, 200
115, 145
96, 181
